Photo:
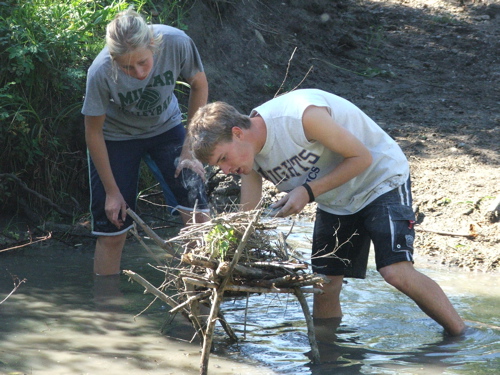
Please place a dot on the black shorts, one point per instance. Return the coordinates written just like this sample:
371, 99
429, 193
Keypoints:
388, 222
125, 159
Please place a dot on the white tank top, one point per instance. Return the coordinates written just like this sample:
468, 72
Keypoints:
288, 159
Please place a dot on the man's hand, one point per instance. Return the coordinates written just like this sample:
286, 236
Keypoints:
193, 164
292, 203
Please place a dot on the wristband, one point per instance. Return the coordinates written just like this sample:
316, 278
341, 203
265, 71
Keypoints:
309, 191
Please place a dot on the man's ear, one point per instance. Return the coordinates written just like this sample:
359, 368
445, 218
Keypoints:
237, 132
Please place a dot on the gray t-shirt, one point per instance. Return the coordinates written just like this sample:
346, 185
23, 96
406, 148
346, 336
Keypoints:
288, 159
141, 109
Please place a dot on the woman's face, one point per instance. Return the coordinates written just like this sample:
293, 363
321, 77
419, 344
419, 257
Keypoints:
137, 64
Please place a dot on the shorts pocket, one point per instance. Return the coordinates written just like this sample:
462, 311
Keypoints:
403, 232
401, 213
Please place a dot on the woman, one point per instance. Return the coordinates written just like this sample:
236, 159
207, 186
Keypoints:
131, 111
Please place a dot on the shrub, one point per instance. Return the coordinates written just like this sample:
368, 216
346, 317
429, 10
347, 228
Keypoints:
46, 47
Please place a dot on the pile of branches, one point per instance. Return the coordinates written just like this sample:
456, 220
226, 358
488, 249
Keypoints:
233, 253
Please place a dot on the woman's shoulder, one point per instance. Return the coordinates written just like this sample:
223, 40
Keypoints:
169, 31
102, 60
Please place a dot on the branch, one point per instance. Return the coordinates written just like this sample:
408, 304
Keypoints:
471, 234
31, 242
151, 233
248, 289
38, 195
310, 326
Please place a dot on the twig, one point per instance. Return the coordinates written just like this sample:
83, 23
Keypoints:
246, 315
17, 284
191, 299
150, 252
286, 74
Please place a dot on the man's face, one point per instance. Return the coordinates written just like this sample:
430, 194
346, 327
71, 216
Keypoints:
235, 157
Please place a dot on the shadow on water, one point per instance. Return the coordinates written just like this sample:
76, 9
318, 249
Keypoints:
64, 322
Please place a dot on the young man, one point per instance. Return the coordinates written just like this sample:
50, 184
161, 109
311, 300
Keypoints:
319, 147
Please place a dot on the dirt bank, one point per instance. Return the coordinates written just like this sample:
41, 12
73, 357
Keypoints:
427, 71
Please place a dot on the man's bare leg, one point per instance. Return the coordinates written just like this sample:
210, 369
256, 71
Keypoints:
426, 293
327, 314
327, 305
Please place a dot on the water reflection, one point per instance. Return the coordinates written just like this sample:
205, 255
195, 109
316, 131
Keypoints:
63, 321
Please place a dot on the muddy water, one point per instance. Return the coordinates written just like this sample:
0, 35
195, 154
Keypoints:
61, 321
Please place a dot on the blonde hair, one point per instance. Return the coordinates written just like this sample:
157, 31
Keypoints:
211, 125
128, 32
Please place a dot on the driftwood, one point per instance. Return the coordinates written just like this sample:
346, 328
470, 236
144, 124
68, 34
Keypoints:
231, 254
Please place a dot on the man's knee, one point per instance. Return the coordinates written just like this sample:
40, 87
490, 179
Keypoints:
398, 274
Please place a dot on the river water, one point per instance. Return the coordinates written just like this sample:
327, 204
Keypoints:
62, 321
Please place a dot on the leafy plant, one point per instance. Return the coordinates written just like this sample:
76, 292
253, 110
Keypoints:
221, 239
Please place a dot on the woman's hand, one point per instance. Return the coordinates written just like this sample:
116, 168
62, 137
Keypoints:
116, 209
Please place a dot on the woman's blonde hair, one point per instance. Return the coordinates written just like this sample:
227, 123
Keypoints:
128, 32
211, 125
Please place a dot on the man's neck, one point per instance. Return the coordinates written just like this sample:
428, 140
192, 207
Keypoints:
258, 133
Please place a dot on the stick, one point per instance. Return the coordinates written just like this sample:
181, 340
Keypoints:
310, 326
158, 293
31, 242
294, 281
193, 260
218, 297
150, 252
248, 289
191, 299
446, 233
163, 244
290, 265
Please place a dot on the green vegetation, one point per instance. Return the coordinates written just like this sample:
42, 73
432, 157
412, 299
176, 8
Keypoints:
221, 239
46, 47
